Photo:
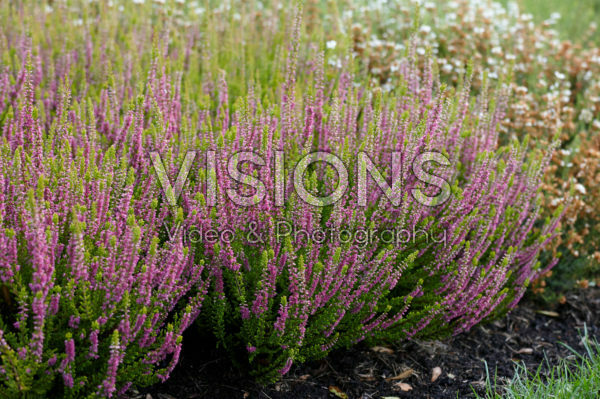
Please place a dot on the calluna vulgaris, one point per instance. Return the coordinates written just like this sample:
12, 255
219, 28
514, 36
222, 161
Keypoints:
99, 280
555, 85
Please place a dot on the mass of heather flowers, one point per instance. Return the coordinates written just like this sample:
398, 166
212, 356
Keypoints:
119, 224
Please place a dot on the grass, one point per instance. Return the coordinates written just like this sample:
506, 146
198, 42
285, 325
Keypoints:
575, 377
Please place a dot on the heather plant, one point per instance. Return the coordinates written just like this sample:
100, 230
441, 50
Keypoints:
555, 87
284, 297
95, 297
117, 182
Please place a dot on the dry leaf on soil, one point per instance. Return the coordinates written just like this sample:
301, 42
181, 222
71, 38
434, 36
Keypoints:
382, 349
403, 386
338, 392
549, 313
525, 351
366, 377
405, 374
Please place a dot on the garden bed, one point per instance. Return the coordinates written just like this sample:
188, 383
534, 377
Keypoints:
527, 334
218, 178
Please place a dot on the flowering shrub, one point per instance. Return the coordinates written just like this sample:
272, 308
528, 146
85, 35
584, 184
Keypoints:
109, 251
288, 297
94, 296
555, 87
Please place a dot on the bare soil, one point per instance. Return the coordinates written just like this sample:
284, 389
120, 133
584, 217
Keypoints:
529, 334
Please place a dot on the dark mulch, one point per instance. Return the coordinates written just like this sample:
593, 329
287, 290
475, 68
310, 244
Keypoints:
525, 335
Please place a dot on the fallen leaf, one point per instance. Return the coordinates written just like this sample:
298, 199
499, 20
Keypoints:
451, 376
548, 313
382, 349
366, 377
246, 394
338, 392
304, 377
403, 386
525, 351
405, 374
435, 373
